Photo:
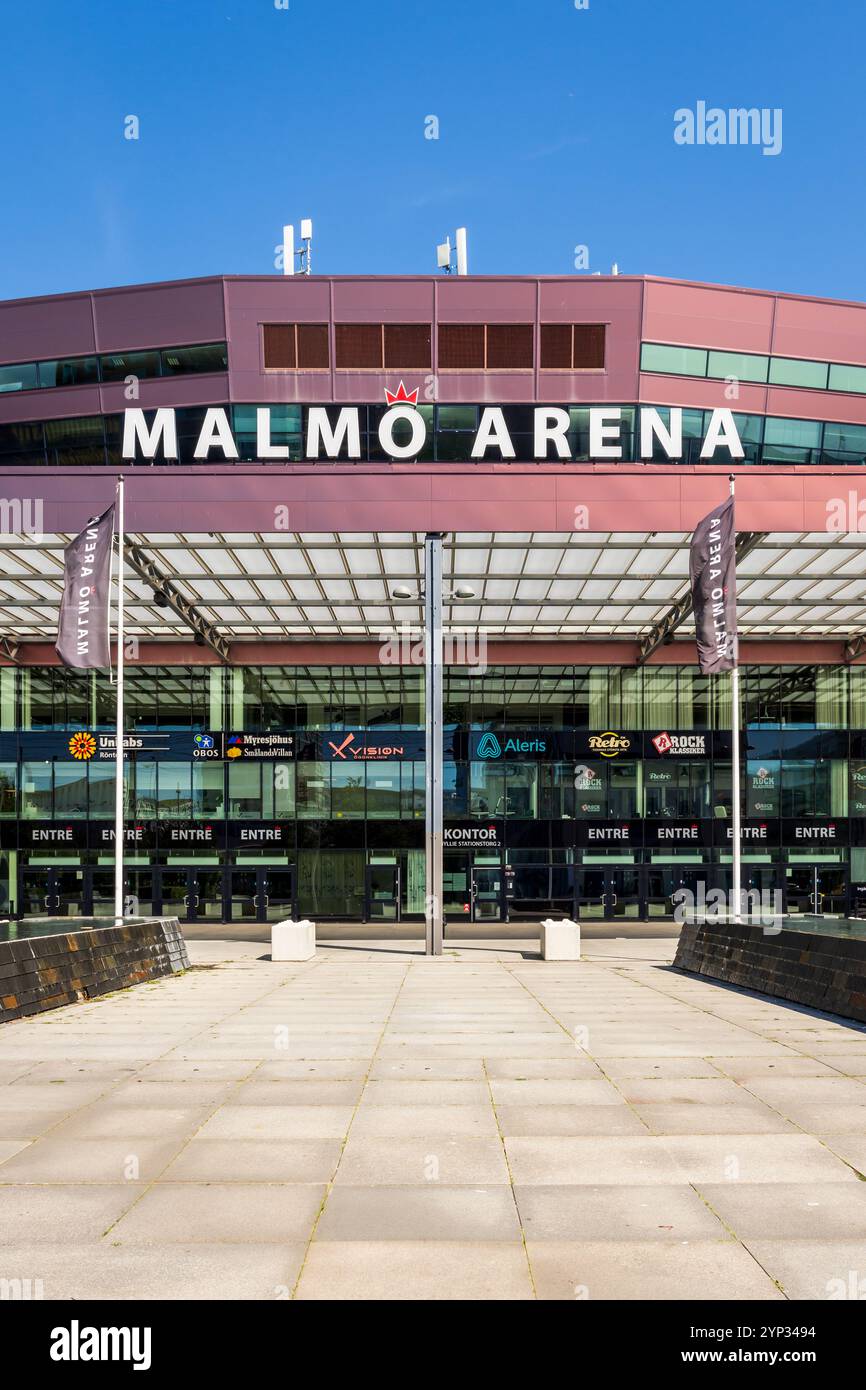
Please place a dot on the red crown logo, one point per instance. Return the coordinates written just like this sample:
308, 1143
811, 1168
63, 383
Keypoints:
401, 396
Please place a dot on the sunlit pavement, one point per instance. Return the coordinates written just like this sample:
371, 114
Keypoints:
372, 1124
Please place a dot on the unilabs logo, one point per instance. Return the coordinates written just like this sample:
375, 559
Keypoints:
609, 744
82, 746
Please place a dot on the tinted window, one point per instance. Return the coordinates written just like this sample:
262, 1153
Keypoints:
743, 366
210, 357
117, 366
844, 378
20, 378
70, 371
789, 371
680, 361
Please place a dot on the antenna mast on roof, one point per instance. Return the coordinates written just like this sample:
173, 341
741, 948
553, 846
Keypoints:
304, 255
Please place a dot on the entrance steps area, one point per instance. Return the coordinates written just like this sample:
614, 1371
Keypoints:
376, 1125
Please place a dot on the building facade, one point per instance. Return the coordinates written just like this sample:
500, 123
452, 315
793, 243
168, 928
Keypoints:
565, 435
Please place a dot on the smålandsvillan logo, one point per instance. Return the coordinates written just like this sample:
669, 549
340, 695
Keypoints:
489, 747
82, 746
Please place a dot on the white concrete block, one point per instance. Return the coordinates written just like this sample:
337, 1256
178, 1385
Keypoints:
292, 940
560, 940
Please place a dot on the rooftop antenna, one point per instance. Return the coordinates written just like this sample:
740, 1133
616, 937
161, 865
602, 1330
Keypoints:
444, 254
304, 255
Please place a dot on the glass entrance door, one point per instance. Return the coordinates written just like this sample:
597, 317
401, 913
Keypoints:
190, 894
47, 891
819, 890
52, 892
591, 894
675, 892
207, 888
245, 895
101, 892
174, 894
383, 893
488, 896
277, 894
608, 894
623, 893
260, 894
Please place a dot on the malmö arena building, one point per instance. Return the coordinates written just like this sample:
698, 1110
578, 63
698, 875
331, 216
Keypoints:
287, 445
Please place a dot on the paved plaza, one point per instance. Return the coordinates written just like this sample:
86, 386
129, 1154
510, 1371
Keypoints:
374, 1125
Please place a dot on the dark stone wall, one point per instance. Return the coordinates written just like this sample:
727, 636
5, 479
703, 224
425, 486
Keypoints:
43, 972
825, 972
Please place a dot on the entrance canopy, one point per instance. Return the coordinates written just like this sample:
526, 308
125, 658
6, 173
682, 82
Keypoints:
365, 586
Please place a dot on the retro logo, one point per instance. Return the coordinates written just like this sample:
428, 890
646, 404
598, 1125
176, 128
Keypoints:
609, 744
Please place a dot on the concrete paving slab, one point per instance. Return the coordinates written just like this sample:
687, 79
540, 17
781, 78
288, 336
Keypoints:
436, 1271
788, 1210
89, 1160
123, 1272
814, 1269
754, 1118
255, 1160
700, 1269
568, 1119
431, 1213
555, 1092
616, 1213
278, 1122
220, 1213
420, 1160
293, 1092
408, 1120
72, 1214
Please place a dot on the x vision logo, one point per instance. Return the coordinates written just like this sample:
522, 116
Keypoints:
489, 747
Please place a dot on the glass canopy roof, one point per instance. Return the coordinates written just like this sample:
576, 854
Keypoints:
333, 586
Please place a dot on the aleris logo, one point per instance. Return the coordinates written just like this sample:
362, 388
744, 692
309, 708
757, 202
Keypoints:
77, 1343
489, 747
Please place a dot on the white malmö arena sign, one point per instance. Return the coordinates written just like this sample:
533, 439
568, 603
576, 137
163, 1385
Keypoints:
336, 432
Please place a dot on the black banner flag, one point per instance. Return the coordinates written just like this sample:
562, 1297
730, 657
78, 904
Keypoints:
713, 572
82, 634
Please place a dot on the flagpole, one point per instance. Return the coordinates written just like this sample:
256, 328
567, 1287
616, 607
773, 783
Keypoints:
118, 746
735, 761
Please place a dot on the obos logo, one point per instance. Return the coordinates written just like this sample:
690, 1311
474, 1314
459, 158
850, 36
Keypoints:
82, 746
489, 747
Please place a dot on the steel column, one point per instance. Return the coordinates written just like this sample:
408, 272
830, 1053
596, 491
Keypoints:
433, 741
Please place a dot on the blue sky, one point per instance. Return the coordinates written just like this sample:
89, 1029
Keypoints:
555, 130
